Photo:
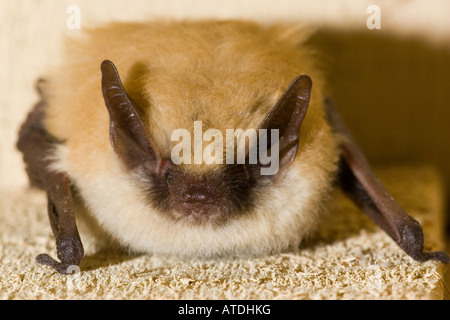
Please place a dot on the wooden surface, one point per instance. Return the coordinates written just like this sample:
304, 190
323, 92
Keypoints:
347, 258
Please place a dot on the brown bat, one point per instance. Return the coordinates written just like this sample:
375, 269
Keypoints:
104, 147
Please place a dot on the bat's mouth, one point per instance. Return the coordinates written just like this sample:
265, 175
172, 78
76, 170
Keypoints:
199, 214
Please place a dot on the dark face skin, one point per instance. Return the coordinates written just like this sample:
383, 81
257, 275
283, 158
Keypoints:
202, 198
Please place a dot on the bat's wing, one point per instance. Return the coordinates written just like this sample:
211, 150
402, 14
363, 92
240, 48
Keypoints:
357, 179
36, 145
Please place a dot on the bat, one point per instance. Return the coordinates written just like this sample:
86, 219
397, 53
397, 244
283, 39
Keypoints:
196, 139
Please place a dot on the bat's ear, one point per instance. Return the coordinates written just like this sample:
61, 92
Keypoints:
286, 117
357, 179
129, 136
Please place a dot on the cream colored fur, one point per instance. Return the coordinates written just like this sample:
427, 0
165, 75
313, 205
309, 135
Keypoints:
227, 74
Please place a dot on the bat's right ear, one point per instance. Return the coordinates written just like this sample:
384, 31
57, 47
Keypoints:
129, 136
287, 116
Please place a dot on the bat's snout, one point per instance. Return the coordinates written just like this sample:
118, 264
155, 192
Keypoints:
195, 196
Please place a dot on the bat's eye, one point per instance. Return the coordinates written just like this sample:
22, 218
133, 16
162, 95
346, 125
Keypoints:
166, 170
168, 176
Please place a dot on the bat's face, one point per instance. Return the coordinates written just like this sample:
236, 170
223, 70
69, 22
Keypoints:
186, 186
194, 161
202, 198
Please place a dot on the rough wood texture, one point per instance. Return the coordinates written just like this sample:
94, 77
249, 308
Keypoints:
348, 258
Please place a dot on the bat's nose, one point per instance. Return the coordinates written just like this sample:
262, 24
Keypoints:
195, 196
196, 199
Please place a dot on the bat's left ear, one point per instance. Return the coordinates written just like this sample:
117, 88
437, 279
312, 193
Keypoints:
358, 180
287, 116
128, 133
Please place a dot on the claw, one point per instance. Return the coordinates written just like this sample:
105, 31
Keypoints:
63, 268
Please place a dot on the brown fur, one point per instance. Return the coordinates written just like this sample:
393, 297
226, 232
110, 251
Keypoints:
228, 74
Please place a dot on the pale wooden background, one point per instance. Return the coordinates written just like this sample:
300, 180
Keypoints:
393, 91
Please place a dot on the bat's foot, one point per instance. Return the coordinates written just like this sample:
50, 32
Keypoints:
412, 242
70, 252
63, 268
440, 256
